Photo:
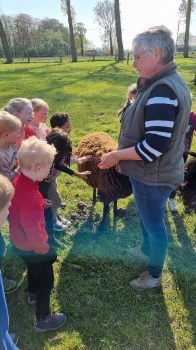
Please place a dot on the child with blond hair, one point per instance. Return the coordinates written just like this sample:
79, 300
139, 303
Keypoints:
27, 229
21, 108
7, 341
10, 127
40, 115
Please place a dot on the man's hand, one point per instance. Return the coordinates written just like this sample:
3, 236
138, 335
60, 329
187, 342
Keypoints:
109, 160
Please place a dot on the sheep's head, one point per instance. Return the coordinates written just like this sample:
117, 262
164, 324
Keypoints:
111, 185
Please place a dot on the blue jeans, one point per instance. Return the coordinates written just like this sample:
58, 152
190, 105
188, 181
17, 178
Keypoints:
151, 202
5, 340
2, 249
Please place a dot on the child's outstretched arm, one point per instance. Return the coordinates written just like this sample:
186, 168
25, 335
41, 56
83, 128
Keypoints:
83, 175
80, 160
65, 169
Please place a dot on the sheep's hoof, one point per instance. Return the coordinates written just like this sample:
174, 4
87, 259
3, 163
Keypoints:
121, 213
100, 227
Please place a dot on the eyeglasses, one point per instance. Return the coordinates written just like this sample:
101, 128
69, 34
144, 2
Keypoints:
137, 56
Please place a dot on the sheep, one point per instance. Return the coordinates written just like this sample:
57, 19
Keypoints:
188, 188
110, 183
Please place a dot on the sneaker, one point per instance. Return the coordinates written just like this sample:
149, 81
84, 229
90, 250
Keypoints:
58, 226
32, 297
55, 243
172, 204
136, 253
9, 285
14, 338
62, 205
145, 281
51, 322
63, 220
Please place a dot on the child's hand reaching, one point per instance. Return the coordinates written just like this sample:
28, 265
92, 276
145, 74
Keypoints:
47, 203
84, 159
83, 175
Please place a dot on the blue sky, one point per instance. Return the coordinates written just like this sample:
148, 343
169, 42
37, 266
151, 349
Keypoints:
136, 15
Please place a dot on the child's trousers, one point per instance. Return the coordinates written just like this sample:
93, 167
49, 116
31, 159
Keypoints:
40, 278
5, 340
55, 197
2, 249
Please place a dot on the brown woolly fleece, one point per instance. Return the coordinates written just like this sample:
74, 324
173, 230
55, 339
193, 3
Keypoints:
110, 184
188, 188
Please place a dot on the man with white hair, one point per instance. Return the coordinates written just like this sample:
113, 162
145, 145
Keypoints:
151, 144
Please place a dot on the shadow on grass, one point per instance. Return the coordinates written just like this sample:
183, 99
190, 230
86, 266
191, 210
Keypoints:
182, 264
95, 293
103, 312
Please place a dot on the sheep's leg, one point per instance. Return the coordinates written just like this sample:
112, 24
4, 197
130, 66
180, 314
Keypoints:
94, 195
105, 212
115, 210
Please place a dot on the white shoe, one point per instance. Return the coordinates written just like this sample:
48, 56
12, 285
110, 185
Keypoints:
63, 220
59, 226
173, 204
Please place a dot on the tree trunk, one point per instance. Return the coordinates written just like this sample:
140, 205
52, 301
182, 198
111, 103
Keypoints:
82, 45
6, 48
73, 48
118, 30
186, 38
111, 44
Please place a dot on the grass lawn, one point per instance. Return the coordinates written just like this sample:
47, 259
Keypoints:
103, 312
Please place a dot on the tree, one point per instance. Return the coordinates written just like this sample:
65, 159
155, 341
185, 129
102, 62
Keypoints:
192, 39
118, 30
24, 27
185, 9
5, 44
80, 31
105, 17
68, 10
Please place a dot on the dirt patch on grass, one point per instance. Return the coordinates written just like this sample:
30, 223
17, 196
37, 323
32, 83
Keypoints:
81, 213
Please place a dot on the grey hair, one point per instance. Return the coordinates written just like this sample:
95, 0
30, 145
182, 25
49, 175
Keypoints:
16, 105
158, 37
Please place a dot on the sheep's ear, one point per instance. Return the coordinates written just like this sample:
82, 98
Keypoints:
193, 154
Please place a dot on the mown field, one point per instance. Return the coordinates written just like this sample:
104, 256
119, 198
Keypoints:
103, 312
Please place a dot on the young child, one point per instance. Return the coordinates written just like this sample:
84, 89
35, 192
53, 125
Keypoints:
21, 108
63, 146
27, 229
62, 121
6, 343
40, 115
131, 96
10, 127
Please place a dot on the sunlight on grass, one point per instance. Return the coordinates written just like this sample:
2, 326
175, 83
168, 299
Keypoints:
92, 274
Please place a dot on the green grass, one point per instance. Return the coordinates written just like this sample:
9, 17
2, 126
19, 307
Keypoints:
103, 312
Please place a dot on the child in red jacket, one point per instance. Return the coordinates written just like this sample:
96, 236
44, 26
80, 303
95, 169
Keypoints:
27, 229
7, 341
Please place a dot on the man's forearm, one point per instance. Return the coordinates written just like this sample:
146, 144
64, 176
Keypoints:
128, 154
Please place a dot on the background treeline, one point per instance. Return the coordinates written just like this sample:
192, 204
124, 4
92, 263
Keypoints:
33, 37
